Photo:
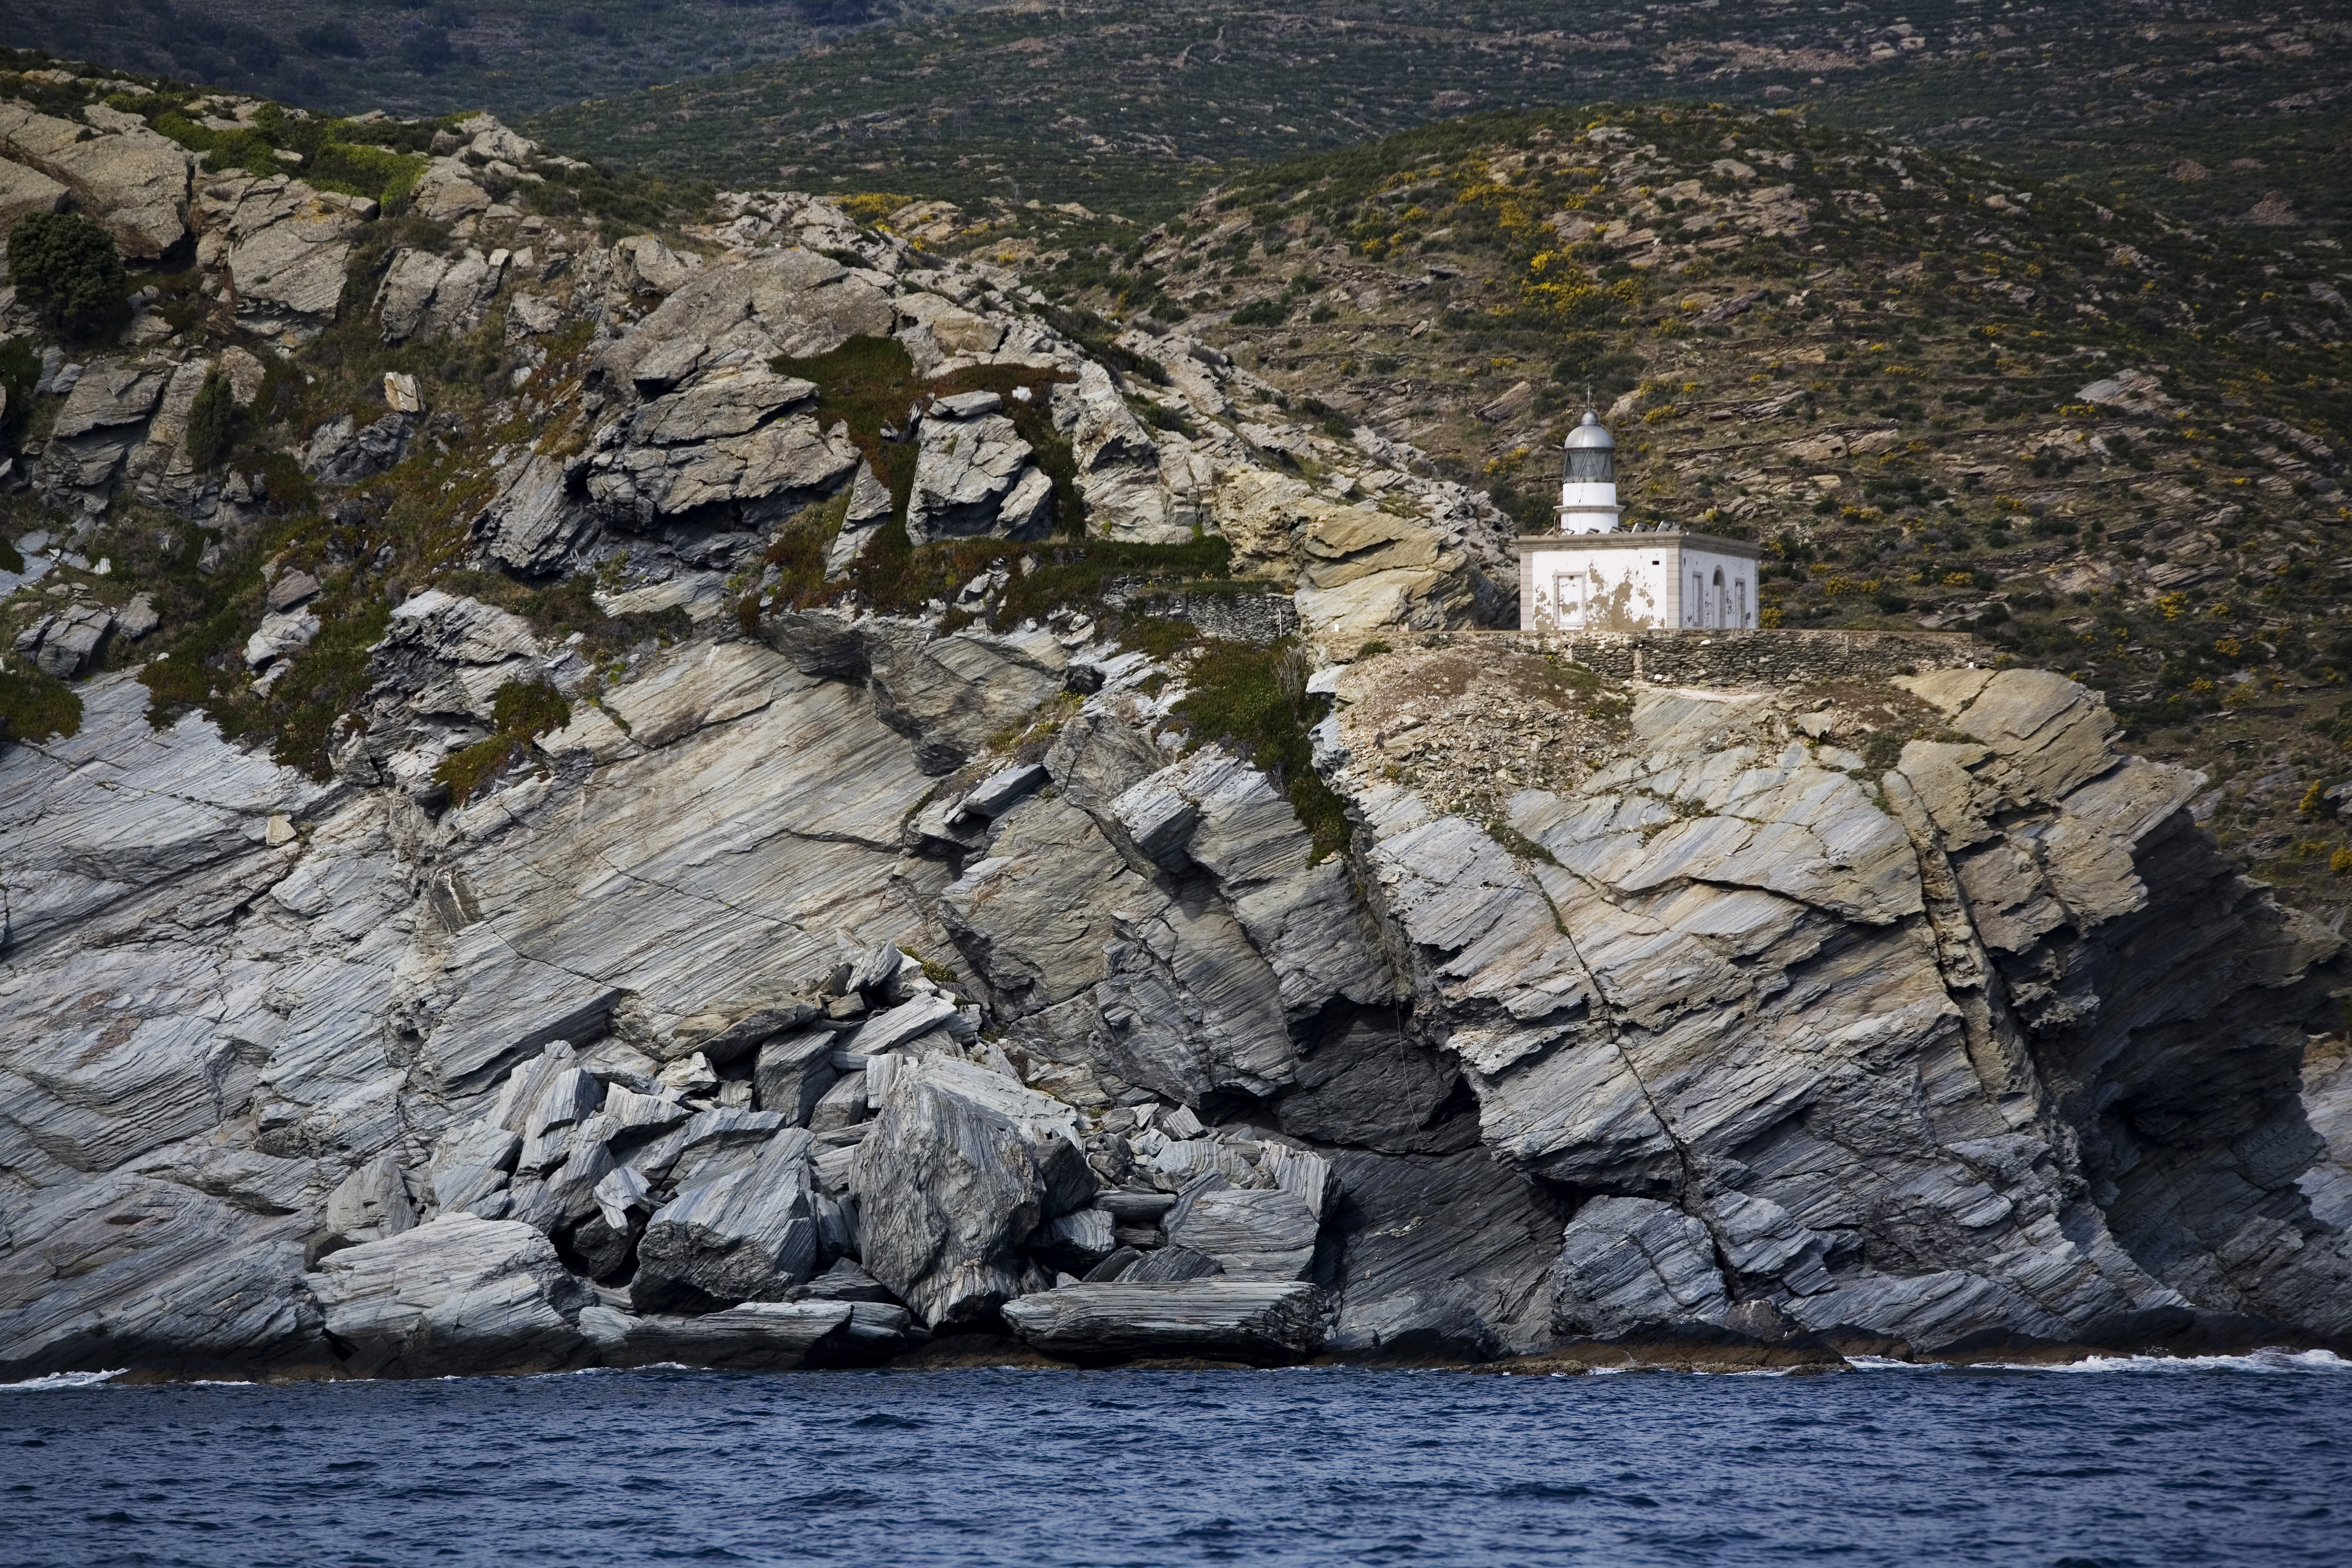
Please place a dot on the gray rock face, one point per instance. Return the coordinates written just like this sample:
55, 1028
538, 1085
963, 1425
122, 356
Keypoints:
459, 1295
372, 1203
1367, 1084
748, 1235
781, 302
952, 695
68, 642
1447, 1256
1627, 1263
1246, 1319
343, 1017
1216, 811
793, 1072
1189, 1006
962, 1165
425, 295
285, 247
342, 452
24, 192
1254, 1233
750, 477
133, 182
2327, 1098
125, 1269
1606, 1009
967, 469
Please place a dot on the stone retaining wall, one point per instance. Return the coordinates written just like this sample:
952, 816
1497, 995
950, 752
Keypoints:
1745, 658
1235, 618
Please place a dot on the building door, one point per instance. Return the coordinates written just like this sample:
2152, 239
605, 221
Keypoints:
1568, 601
1718, 604
1739, 602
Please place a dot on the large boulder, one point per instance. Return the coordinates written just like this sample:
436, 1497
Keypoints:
759, 1336
972, 476
1118, 462
1252, 1233
730, 481
24, 191
1247, 1319
425, 295
285, 247
459, 1295
747, 1234
790, 301
963, 1163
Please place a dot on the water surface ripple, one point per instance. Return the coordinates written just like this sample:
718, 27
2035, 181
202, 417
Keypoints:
2244, 1460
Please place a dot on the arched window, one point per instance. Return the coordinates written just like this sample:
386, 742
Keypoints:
1718, 605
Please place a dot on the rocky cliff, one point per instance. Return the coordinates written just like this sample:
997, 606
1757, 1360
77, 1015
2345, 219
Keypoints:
685, 847
1905, 1015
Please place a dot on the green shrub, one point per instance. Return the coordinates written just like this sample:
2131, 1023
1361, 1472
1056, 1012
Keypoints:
67, 270
223, 149
33, 706
20, 372
358, 170
520, 710
212, 419
1262, 313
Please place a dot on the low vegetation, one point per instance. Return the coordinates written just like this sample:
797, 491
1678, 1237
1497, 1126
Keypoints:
1254, 698
34, 707
67, 270
520, 710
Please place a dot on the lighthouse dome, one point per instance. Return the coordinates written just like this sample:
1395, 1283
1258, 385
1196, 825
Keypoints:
1591, 454
1591, 435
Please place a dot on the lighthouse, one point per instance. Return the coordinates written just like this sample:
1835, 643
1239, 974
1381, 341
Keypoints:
1593, 575
1588, 491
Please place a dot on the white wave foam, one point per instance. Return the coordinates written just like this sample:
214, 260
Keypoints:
60, 1379
2270, 1360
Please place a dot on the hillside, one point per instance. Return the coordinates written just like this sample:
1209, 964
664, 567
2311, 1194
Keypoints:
1126, 110
2104, 438
516, 57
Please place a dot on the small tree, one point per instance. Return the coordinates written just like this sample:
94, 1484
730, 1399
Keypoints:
67, 268
211, 417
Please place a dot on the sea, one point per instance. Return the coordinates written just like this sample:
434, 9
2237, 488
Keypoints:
2128, 1461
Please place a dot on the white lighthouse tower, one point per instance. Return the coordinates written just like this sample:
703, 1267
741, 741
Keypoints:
1590, 575
1588, 493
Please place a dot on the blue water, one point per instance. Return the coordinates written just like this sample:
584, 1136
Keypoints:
2244, 1460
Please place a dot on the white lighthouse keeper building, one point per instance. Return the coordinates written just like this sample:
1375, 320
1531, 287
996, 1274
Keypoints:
1592, 575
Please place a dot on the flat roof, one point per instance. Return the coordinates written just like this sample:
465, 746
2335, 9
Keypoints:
1624, 539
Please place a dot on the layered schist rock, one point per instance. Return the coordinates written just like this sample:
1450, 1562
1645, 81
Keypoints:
1891, 1055
625, 1061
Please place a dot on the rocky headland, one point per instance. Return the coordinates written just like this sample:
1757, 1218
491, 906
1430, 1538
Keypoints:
780, 958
